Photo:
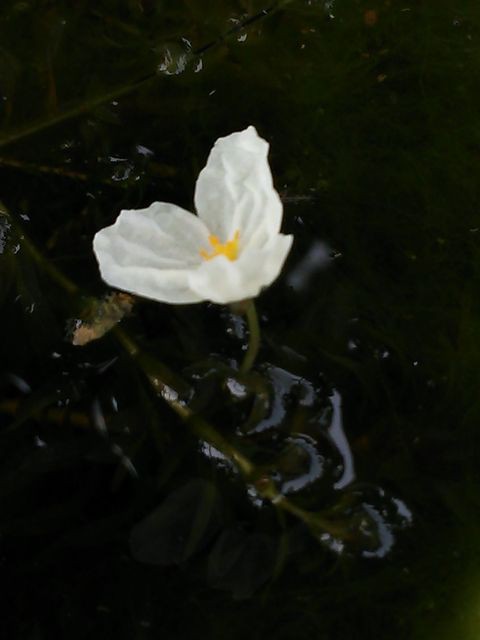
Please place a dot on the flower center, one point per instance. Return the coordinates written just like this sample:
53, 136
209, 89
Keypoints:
228, 249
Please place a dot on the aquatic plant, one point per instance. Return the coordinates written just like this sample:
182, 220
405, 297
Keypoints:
227, 253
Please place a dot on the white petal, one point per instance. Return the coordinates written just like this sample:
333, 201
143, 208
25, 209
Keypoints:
222, 281
235, 190
170, 286
150, 252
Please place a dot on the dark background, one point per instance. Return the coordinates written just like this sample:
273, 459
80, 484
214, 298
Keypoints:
372, 113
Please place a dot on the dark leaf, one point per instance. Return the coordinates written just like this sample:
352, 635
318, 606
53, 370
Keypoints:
182, 525
241, 562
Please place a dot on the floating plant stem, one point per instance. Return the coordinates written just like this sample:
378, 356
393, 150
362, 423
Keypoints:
62, 172
254, 336
29, 167
264, 486
172, 389
47, 265
74, 112
43, 262
157, 374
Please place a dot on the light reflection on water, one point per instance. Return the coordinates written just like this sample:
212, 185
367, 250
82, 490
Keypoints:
337, 434
314, 468
317, 257
283, 383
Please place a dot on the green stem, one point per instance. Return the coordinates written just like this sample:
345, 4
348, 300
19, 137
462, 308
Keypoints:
167, 386
47, 265
170, 388
44, 263
265, 486
74, 112
254, 337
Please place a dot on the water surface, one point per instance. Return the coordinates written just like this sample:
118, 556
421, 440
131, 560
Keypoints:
365, 393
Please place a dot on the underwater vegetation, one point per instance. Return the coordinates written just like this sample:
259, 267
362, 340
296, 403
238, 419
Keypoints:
176, 461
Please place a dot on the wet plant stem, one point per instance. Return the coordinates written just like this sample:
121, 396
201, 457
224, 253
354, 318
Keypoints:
264, 486
56, 275
157, 374
254, 337
74, 112
47, 265
171, 388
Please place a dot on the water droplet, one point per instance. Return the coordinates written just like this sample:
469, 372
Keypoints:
174, 61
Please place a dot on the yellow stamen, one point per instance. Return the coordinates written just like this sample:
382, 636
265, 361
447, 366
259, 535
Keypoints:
229, 249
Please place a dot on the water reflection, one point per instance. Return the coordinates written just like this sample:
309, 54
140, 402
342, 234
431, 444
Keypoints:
382, 531
285, 388
317, 257
5, 227
313, 463
212, 453
174, 58
385, 515
125, 461
98, 417
337, 434
296, 438
18, 382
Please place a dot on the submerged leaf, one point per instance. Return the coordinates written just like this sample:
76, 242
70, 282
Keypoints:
241, 562
182, 525
103, 316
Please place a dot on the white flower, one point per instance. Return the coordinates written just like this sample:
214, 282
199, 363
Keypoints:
228, 252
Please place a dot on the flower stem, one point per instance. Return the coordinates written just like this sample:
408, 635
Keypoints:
254, 337
171, 387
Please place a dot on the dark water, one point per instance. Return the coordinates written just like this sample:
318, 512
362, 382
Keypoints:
364, 403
